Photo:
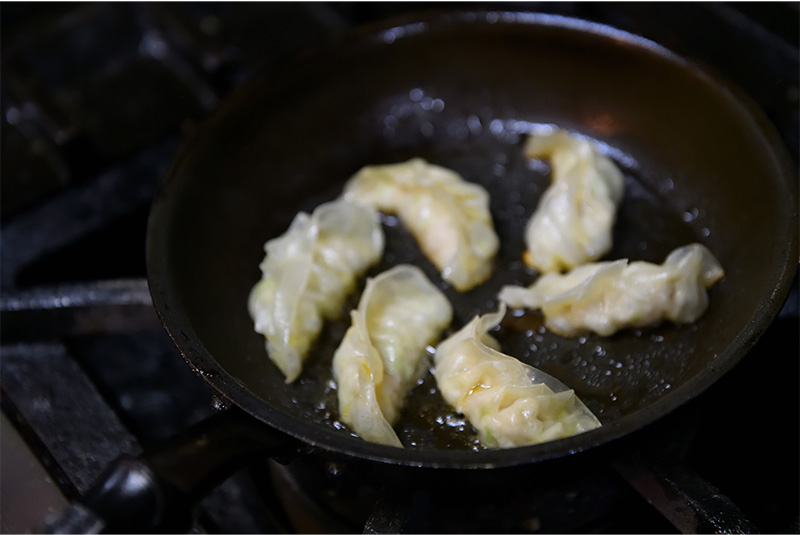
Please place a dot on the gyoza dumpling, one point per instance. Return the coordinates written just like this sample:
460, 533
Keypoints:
306, 275
447, 215
383, 353
605, 297
508, 402
572, 224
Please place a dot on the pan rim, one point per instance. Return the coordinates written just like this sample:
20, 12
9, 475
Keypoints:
204, 364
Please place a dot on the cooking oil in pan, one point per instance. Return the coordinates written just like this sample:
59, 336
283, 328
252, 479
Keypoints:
614, 375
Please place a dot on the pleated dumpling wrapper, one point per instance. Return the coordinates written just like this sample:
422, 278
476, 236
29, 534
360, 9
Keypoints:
385, 351
605, 297
447, 215
307, 274
573, 222
507, 401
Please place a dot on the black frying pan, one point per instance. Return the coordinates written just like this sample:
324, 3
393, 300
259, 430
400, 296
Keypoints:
462, 90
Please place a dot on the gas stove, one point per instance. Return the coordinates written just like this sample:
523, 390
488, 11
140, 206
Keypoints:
97, 99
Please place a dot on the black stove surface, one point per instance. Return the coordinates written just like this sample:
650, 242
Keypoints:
96, 100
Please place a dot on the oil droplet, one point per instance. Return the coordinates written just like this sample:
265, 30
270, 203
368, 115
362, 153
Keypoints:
389, 220
334, 469
339, 425
219, 404
690, 215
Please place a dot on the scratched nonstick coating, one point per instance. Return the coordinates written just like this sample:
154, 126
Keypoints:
463, 90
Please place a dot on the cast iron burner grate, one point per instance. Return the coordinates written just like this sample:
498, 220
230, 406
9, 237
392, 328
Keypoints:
97, 98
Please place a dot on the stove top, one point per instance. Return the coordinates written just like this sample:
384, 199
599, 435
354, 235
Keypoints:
97, 99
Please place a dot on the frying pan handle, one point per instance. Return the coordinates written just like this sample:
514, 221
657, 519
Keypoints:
681, 495
156, 492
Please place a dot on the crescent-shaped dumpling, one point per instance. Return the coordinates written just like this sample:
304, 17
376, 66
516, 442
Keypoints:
306, 275
507, 401
447, 215
573, 222
605, 297
384, 352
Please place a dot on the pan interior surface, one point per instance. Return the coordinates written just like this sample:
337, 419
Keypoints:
464, 92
